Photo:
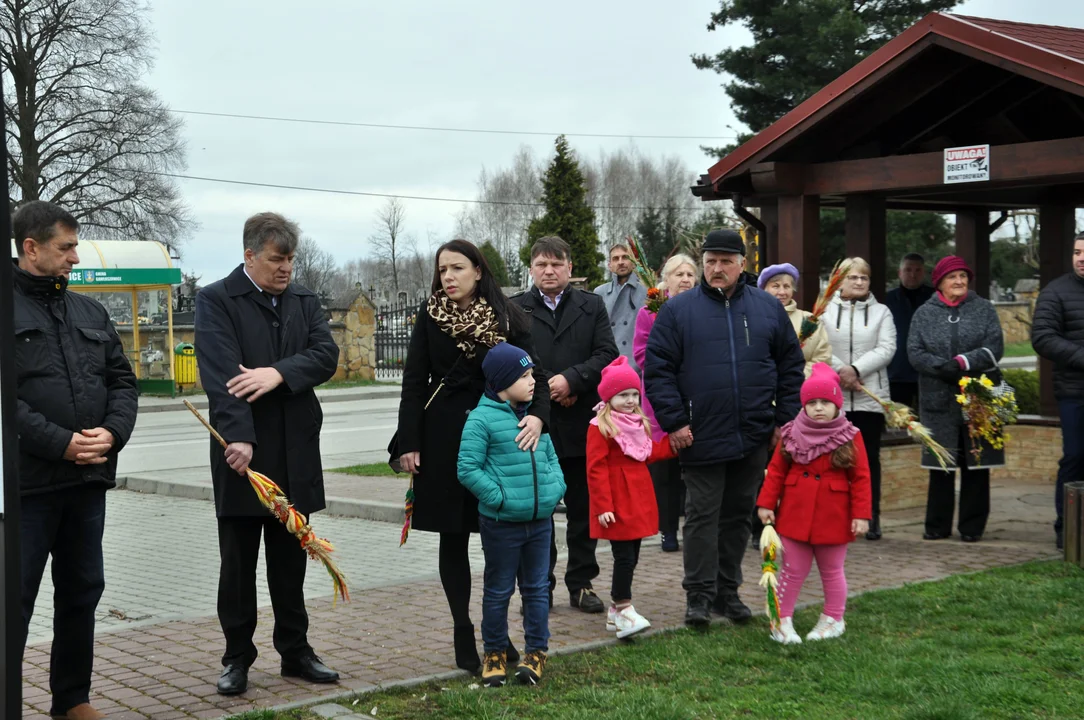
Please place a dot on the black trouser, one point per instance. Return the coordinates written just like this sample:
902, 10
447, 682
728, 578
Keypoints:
454, 563
669, 493
974, 497
68, 524
719, 500
626, 555
904, 392
239, 547
1071, 465
582, 567
872, 426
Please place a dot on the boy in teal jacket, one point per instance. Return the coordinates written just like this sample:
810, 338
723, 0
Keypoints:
517, 491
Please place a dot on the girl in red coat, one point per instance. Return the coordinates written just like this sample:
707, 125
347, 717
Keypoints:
817, 493
622, 496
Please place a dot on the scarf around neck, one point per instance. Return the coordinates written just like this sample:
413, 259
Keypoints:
806, 439
631, 436
477, 324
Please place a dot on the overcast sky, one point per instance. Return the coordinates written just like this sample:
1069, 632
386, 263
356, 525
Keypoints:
560, 66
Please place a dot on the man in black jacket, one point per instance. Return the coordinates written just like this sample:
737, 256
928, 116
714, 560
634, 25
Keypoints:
1057, 334
572, 336
263, 345
76, 409
902, 302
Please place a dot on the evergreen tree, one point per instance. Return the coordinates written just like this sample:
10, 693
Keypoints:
799, 46
567, 215
657, 233
496, 263
928, 234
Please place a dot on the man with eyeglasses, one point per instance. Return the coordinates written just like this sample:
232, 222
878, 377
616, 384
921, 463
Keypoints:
903, 301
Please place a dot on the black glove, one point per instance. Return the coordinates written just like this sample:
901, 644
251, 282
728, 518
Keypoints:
949, 371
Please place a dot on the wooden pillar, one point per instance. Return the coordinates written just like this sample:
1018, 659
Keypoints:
865, 232
769, 247
973, 245
799, 242
1057, 227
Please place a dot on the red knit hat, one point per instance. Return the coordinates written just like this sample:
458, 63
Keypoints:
618, 377
950, 264
823, 384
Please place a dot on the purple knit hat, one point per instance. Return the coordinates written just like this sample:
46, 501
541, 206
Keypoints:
950, 264
772, 270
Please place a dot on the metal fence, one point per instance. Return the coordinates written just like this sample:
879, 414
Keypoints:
394, 324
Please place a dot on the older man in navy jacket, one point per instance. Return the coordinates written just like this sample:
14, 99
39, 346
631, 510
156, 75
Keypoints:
723, 372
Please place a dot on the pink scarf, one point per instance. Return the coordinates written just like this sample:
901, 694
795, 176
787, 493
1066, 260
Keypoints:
948, 302
631, 436
806, 439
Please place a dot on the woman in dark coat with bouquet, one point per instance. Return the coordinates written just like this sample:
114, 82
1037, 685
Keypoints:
954, 334
466, 315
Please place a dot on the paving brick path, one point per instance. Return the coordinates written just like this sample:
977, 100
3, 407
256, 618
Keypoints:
398, 627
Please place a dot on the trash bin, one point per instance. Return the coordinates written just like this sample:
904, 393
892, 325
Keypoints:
184, 364
1073, 514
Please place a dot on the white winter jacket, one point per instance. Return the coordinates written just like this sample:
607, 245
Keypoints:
862, 334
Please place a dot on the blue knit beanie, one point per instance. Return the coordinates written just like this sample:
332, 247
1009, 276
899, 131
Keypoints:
503, 365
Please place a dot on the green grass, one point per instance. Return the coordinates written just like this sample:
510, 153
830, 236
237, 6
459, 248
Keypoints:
343, 384
1020, 349
999, 644
369, 470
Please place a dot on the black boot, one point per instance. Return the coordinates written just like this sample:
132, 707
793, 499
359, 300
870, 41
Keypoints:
874, 529
466, 649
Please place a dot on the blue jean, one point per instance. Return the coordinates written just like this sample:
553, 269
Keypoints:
1071, 466
511, 549
67, 524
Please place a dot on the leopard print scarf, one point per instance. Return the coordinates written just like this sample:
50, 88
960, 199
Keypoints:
477, 324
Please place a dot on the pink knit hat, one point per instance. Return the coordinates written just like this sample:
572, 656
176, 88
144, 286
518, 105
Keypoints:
823, 384
618, 377
950, 264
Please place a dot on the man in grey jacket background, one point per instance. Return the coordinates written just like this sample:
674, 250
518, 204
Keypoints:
623, 297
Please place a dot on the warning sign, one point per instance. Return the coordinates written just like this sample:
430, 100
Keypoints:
967, 164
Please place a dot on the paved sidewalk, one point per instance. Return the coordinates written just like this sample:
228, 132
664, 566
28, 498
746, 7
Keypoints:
399, 628
381, 391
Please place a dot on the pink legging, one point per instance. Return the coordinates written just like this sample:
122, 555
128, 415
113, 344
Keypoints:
798, 561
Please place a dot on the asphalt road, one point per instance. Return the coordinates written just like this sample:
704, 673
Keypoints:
354, 432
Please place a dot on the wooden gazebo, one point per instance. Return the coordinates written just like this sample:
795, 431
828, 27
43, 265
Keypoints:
962, 115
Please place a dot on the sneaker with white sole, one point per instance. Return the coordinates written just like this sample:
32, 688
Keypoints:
826, 628
629, 622
785, 632
611, 619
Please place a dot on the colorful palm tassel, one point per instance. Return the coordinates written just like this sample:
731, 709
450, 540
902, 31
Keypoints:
408, 512
271, 497
771, 550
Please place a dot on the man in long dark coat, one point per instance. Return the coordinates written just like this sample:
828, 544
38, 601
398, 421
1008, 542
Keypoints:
263, 345
572, 336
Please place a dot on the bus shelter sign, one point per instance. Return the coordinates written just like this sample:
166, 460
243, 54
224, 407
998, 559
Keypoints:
967, 164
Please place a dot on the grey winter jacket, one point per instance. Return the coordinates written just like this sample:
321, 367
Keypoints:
938, 334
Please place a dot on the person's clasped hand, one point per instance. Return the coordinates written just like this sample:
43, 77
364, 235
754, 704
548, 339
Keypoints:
530, 434
254, 383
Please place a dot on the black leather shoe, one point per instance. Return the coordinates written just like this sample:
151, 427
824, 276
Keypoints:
586, 600
310, 668
874, 530
1059, 539
466, 649
233, 681
511, 655
935, 536
971, 538
732, 608
698, 613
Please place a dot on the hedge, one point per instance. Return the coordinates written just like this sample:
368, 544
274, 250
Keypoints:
1026, 384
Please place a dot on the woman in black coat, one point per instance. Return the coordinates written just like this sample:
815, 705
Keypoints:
442, 382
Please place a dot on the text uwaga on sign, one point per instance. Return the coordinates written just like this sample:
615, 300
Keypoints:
967, 164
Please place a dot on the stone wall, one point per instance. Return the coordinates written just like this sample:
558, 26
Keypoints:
1032, 454
1015, 320
352, 328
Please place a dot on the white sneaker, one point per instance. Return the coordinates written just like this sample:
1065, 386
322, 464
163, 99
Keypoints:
785, 632
611, 619
629, 622
826, 628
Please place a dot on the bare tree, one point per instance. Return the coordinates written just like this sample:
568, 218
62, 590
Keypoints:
81, 130
314, 267
387, 242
